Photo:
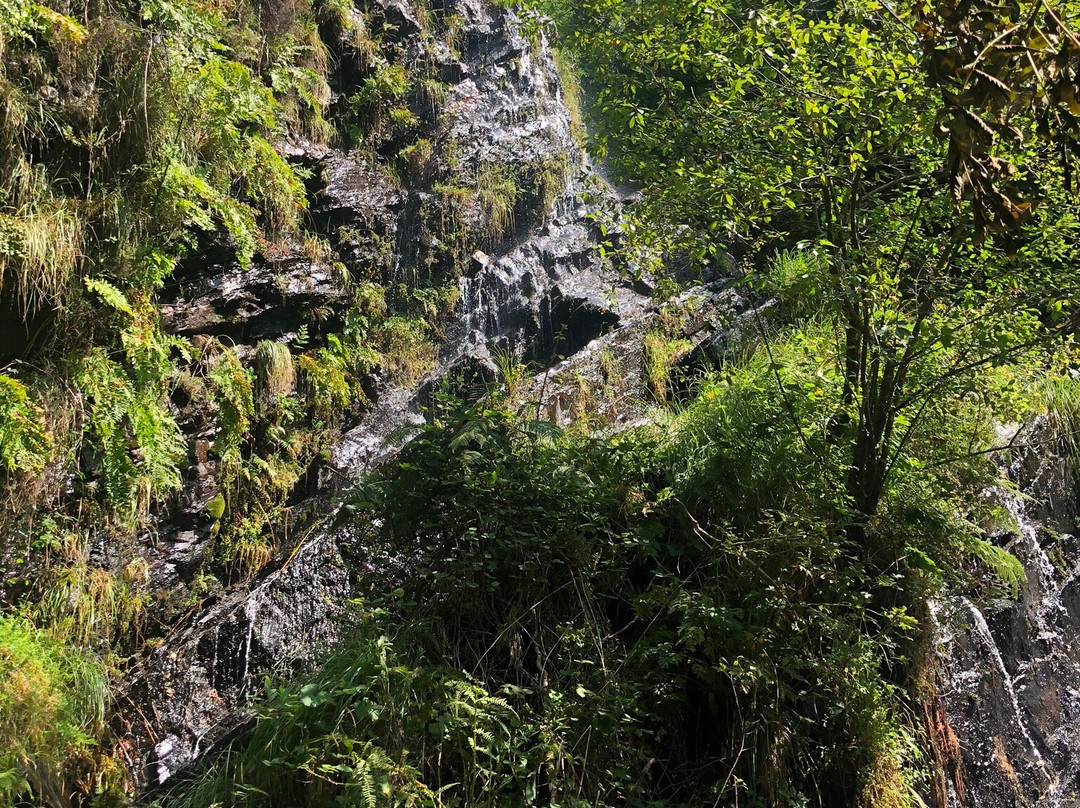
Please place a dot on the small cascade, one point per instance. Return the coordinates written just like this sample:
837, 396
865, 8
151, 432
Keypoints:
1010, 670
470, 299
251, 614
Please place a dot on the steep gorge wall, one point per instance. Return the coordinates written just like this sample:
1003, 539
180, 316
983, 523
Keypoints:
533, 285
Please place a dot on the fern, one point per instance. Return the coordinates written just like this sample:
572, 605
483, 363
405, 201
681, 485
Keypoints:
109, 294
25, 442
120, 409
1002, 564
232, 391
326, 382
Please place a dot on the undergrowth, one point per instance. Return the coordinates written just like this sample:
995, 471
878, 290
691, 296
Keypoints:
675, 615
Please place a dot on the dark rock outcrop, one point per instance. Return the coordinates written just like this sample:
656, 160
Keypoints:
188, 694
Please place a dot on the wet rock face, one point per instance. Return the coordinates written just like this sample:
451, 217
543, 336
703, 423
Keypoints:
1010, 671
263, 302
604, 384
187, 695
531, 284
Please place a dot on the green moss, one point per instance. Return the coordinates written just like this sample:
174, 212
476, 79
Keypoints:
454, 194
52, 709
215, 508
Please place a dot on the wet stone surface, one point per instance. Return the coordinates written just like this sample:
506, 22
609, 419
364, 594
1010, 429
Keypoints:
1010, 671
539, 289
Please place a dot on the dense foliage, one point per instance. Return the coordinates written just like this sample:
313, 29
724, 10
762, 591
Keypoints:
126, 136
52, 710
725, 606
127, 133
752, 126
674, 616
135, 139
728, 607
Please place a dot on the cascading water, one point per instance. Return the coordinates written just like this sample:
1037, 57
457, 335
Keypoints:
1010, 670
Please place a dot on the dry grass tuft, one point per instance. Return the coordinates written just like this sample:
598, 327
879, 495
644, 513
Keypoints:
39, 254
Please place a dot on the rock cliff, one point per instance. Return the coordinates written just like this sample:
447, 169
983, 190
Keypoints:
493, 196
532, 288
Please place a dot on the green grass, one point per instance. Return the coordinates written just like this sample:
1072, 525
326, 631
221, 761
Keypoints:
661, 355
497, 192
572, 94
40, 249
275, 374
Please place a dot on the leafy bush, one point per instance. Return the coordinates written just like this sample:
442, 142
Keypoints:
361, 733
676, 615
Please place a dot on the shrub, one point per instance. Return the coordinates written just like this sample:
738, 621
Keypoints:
674, 615
363, 732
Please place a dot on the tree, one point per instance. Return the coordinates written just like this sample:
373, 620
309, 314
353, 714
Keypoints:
819, 128
996, 70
